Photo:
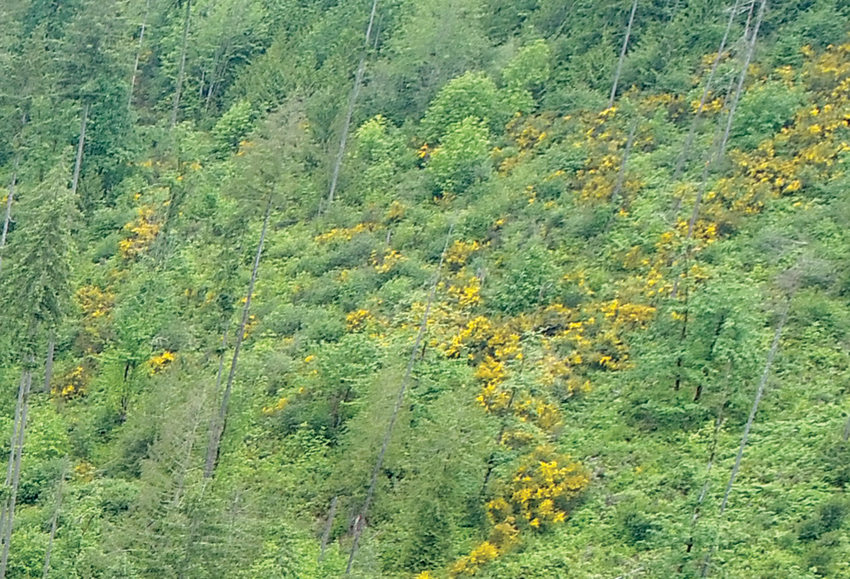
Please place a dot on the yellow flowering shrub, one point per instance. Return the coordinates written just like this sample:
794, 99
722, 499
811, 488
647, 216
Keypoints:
344, 233
387, 261
71, 384
357, 320
459, 253
141, 233
541, 489
161, 362
467, 293
472, 563
276, 407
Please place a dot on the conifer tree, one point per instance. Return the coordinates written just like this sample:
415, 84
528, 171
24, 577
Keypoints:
37, 287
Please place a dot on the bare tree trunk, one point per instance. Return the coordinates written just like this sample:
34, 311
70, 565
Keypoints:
182, 70
48, 364
689, 141
138, 53
360, 521
221, 59
8, 218
17, 452
713, 157
326, 535
81, 143
621, 174
744, 69
683, 157
355, 91
717, 153
54, 523
622, 55
7, 483
759, 393
220, 420
193, 516
712, 453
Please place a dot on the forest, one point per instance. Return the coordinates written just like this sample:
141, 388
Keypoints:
430, 290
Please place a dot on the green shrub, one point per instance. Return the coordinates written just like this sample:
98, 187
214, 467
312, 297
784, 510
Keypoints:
464, 157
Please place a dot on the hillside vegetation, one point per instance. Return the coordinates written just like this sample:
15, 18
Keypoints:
493, 288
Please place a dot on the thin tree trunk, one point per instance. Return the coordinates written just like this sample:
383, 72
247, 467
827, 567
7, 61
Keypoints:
689, 141
373, 483
220, 372
621, 174
682, 336
48, 364
714, 157
747, 58
712, 453
326, 535
17, 450
81, 143
355, 91
622, 55
196, 414
491, 460
54, 523
138, 53
759, 393
8, 218
846, 436
222, 57
193, 516
10, 466
182, 70
720, 143
220, 420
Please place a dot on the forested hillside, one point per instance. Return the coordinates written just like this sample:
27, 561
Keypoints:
386, 288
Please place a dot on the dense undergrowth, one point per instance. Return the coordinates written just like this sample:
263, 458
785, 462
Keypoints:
596, 285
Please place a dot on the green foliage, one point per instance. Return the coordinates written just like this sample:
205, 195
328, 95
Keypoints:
463, 159
234, 125
527, 73
764, 109
828, 517
577, 400
474, 95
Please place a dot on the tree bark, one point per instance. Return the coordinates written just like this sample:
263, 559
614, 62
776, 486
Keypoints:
138, 53
373, 483
744, 69
774, 347
713, 157
326, 535
54, 523
182, 69
17, 452
220, 420
621, 174
81, 143
689, 141
622, 55
355, 91
8, 218
48, 364
712, 454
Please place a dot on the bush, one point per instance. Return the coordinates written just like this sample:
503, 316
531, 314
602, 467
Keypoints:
464, 157
763, 110
828, 517
472, 95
